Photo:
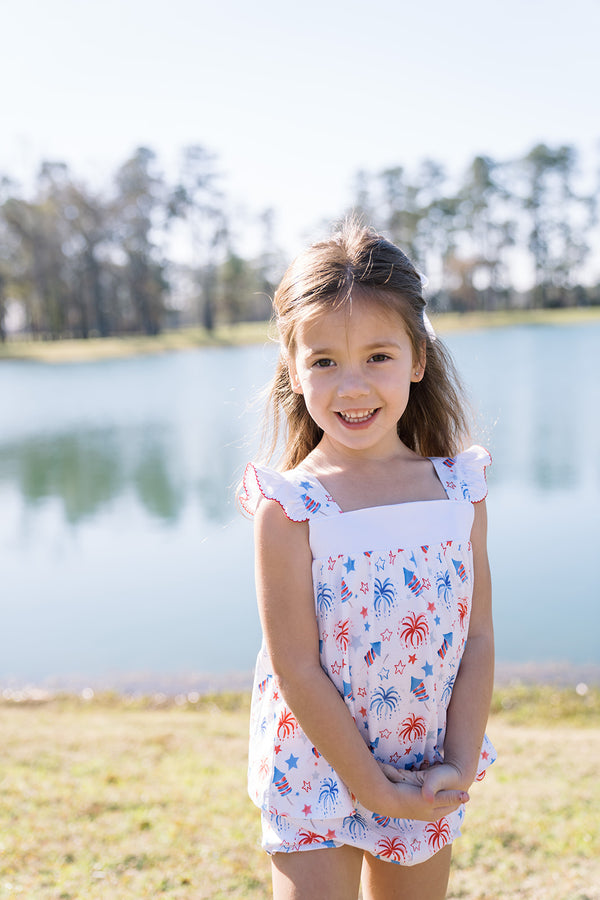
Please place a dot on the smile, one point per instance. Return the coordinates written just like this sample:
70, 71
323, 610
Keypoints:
358, 416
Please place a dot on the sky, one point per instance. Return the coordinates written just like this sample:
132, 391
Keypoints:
295, 98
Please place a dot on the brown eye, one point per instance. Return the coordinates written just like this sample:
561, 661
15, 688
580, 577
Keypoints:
323, 363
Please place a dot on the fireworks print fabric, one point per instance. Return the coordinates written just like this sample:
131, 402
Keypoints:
393, 589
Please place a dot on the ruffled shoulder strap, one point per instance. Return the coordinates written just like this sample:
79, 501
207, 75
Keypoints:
299, 496
464, 477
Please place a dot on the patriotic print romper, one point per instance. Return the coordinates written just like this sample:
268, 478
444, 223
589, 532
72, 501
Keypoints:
392, 588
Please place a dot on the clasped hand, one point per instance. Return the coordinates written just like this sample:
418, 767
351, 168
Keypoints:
427, 794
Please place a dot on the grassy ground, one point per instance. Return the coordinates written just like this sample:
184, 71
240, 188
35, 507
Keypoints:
113, 798
255, 332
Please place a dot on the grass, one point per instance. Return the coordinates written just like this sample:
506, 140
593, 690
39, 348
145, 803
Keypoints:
94, 349
123, 798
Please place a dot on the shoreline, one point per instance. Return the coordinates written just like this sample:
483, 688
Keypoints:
78, 350
192, 684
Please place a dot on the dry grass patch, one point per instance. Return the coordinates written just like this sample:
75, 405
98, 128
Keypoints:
114, 802
115, 799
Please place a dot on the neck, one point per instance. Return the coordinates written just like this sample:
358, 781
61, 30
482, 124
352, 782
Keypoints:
330, 455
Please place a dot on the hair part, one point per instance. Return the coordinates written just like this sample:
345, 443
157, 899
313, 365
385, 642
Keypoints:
359, 264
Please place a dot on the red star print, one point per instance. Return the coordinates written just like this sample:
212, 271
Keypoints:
412, 658
277, 748
307, 810
426, 583
416, 845
330, 835
394, 757
275, 696
364, 612
485, 755
399, 667
306, 787
364, 586
363, 712
336, 668
386, 635
431, 607
385, 734
362, 692
331, 563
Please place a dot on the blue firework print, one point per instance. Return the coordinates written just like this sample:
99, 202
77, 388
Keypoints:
325, 598
356, 824
444, 586
385, 595
447, 689
328, 794
384, 701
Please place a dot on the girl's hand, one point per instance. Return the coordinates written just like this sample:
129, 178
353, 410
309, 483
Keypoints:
428, 794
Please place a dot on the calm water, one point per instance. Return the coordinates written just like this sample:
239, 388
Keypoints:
122, 551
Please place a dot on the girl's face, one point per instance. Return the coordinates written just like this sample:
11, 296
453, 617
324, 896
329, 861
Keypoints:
354, 368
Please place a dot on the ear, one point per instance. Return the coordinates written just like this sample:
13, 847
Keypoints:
419, 365
294, 380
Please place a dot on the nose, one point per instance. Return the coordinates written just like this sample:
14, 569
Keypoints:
352, 384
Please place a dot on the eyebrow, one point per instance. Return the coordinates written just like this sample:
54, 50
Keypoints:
373, 345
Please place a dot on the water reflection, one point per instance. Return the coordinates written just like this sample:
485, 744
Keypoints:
88, 469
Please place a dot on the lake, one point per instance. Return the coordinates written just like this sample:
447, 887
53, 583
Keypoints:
126, 563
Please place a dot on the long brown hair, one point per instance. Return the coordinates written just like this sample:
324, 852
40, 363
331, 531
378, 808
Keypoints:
357, 260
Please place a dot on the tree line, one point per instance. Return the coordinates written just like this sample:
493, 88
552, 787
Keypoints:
81, 262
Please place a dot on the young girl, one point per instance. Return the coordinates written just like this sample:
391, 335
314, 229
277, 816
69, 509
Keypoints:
374, 679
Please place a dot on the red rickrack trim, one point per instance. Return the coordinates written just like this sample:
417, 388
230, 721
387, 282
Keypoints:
485, 468
246, 498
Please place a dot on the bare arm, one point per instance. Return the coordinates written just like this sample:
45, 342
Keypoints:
286, 607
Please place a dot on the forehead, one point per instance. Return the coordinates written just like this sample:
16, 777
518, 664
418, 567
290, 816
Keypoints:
363, 318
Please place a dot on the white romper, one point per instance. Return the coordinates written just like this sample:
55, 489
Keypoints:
393, 587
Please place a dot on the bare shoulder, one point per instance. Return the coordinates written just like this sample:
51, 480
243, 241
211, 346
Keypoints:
276, 533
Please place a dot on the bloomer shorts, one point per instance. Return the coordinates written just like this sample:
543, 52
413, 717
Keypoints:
406, 842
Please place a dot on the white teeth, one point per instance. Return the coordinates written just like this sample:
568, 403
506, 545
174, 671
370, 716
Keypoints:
357, 416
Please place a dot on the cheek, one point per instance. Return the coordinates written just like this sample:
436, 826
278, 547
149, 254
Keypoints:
313, 398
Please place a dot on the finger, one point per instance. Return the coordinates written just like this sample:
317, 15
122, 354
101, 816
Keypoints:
390, 772
399, 776
434, 781
449, 798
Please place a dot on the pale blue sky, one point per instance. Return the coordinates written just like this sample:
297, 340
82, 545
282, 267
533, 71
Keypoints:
295, 98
